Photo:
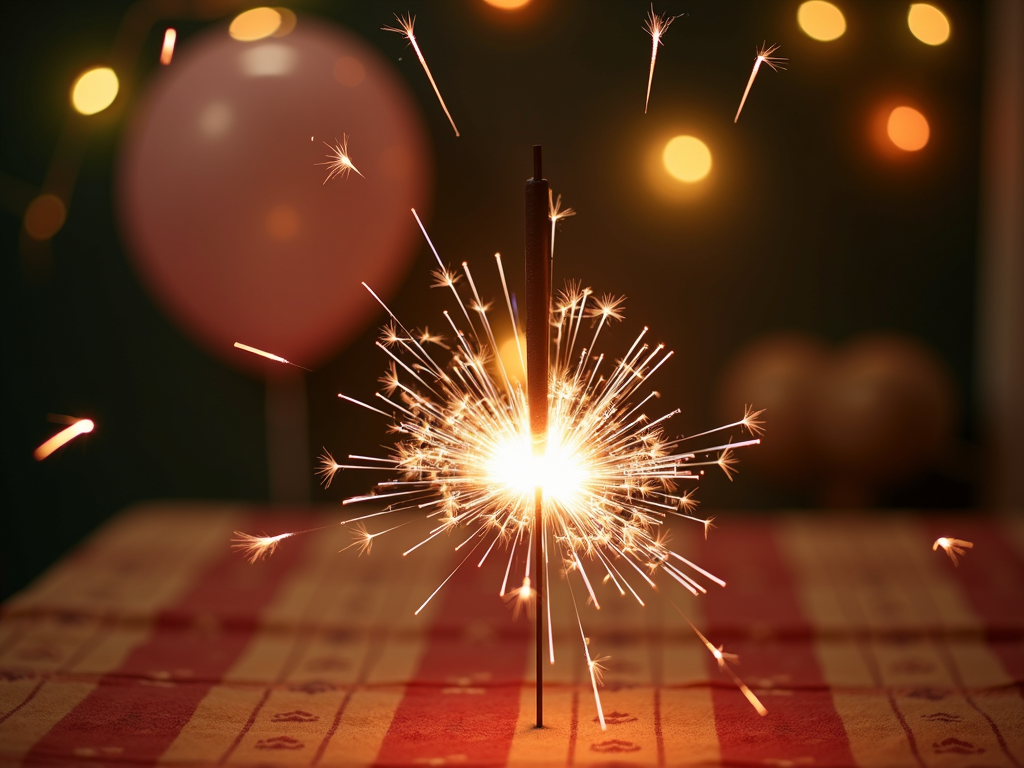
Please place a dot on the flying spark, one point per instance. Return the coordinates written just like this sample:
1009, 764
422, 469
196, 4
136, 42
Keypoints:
655, 26
340, 164
405, 28
79, 427
268, 355
556, 213
764, 55
612, 477
953, 547
167, 50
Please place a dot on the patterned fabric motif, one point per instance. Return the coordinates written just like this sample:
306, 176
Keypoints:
154, 643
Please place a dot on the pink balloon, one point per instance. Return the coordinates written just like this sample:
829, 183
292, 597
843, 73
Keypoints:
226, 214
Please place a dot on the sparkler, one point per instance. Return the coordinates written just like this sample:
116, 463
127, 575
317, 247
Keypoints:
268, 355
405, 28
167, 49
764, 55
79, 427
340, 164
655, 26
608, 479
953, 547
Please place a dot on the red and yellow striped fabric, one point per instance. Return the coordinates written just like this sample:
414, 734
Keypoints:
155, 644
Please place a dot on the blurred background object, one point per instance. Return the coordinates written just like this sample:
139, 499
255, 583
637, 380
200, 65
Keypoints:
868, 189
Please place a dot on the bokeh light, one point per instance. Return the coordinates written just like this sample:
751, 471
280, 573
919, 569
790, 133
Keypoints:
820, 20
928, 24
94, 90
288, 22
44, 217
507, 5
907, 129
255, 24
687, 158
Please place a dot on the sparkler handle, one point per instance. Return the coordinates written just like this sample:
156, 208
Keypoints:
538, 328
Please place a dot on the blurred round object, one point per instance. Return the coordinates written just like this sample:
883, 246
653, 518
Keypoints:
887, 409
224, 209
780, 373
44, 216
94, 90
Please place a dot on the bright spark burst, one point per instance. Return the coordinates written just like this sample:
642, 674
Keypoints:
255, 548
268, 355
79, 427
612, 477
953, 547
167, 50
764, 55
405, 28
655, 26
339, 164
555, 214
724, 660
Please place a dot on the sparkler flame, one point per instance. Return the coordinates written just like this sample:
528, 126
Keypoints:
764, 55
405, 28
340, 164
953, 547
466, 461
79, 427
655, 26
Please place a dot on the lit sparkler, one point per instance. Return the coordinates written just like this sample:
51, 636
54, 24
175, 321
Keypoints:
764, 55
268, 355
953, 547
611, 475
167, 49
340, 164
405, 28
78, 427
655, 26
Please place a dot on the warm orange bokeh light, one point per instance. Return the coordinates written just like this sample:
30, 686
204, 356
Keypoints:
44, 216
928, 24
255, 24
507, 5
687, 158
94, 90
820, 20
907, 129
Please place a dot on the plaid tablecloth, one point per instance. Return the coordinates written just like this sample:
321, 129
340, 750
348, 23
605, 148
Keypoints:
154, 643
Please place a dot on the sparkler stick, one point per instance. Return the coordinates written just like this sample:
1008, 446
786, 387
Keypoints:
63, 437
763, 55
405, 29
656, 26
538, 324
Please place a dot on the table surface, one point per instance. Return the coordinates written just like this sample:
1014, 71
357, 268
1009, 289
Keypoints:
154, 642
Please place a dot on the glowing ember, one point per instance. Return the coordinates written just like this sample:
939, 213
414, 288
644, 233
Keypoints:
268, 355
167, 50
611, 476
655, 26
79, 427
953, 547
405, 28
764, 55
340, 164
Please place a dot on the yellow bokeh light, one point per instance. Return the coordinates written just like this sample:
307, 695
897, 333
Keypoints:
507, 5
44, 216
255, 24
928, 24
687, 158
820, 20
94, 90
907, 129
